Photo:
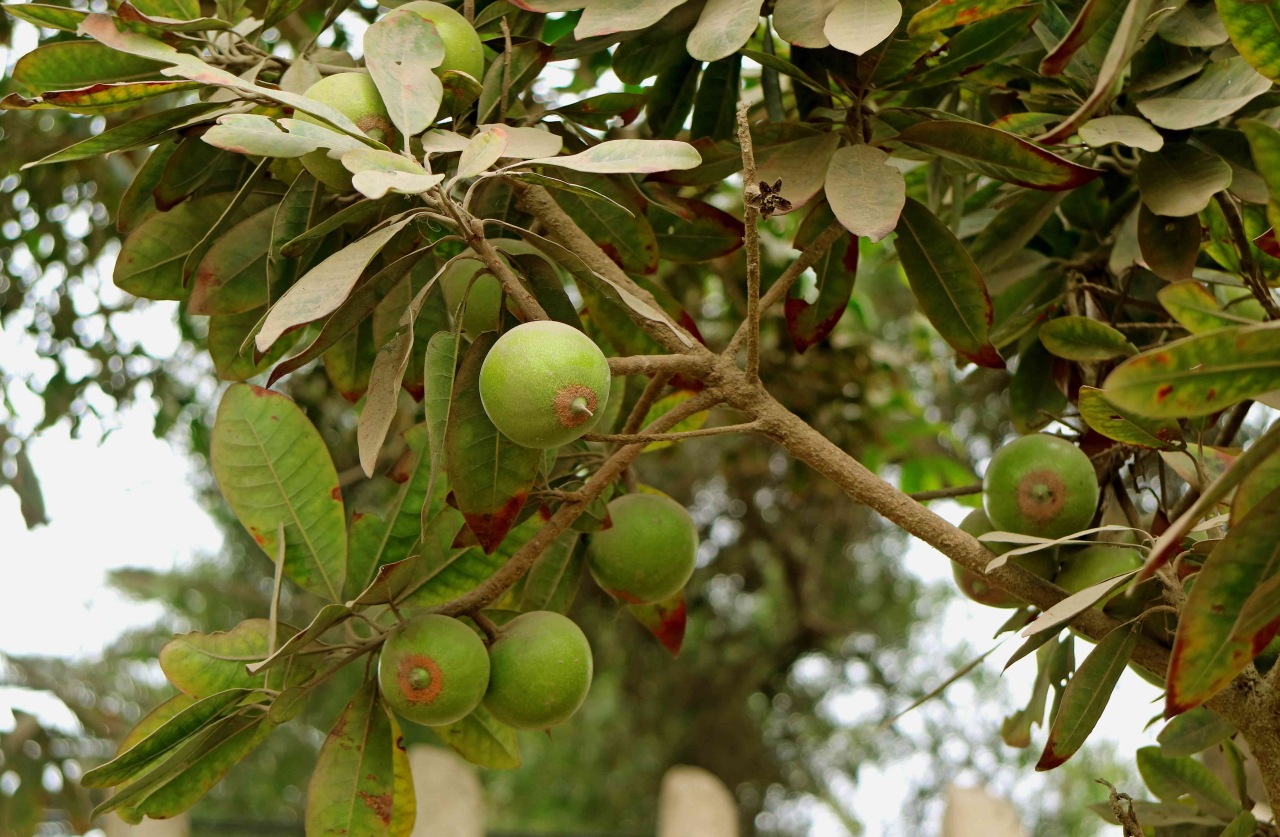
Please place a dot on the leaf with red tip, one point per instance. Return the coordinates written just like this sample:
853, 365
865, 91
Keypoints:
490, 475
665, 620
352, 790
997, 154
809, 323
1268, 243
1206, 652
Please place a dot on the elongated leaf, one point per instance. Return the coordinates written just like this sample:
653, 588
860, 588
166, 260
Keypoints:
1093, 15
974, 46
176, 729
203, 664
802, 167
1171, 778
482, 740
1254, 29
261, 136
1087, 694
328, 616
1035, 399
352, 790
491, 476
628, 156
232, 276
441, 364
553, 580
947, 284
72, 65
1206, 652
1192, 732
1013, 228
46, 16
1122, 130
1084, 339
865, 192
139, 132
349, 363
519, 68
809, 323
401, 50
1199, 375
1104, 418
274, 469
692, 231
231, 349
998, 154
169, 19
943, 15
325, 287
1197, 310
1223, 88
666, 620
1260, 610
482, 152
618, 226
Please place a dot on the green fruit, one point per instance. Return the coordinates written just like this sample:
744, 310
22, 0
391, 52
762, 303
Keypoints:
540, 671
462, 50
1040, 485
649, 552
484, 299
355, 97
433, 670
544, 384
978, 588
1086, 567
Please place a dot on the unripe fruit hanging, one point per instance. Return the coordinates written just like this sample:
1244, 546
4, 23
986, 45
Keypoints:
544, 384
649, 552
462, 50
433, 670
1040, 485
355, 96
978, 588
540, 671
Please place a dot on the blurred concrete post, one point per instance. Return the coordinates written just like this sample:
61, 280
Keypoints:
973, 812
450, 799
694, 803
175, 827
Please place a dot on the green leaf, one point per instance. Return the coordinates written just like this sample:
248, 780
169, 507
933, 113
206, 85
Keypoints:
1172, 778
525, 65
1084, 339
1264, 145
352, 790
491, 476
349, 362
260, 136
204, 664
1169, 246
690, 231
232, 276
154, 15
1206, 653
1222, 89
1192, 732
671, 95
405, 811
1093, 16
997, 154
402, 49
552, 582
1013, 228
192, 165
1087, 694
326, 286
1035, 400
810, 323
976, 45
274, 470
150, 262
168, 735
722, 28
858, 26
71, 65
865, 192
666, 620
619, 226
178, 9
1180, 179
46, 16
1122, 130
139, 132
482, 740
1260, 481
627, 157
1197, 310
327, 617
716, 101
943, 15
1244, 825
441, 364
946, 283
599, 112
1103, 417
1254, 29
1199, 375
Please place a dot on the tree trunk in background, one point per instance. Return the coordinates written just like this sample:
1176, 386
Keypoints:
179, 826
974, 812
694, 803
450, 799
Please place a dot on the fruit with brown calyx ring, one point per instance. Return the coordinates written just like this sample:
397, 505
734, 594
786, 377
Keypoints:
540, 671
649, 551
976, 587
1040, 485
355, 96
544, 384
433, 670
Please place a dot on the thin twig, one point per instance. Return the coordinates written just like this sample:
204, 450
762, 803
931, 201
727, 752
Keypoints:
273, 617
778, 290
506, 68
473, 232
942, 493
652, 390
469, 10
650, 438
751, 227
485, 624
1248, 264
1124, 813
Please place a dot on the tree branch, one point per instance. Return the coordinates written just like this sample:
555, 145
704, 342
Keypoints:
751, 239
650, 438
472, 232
655, 364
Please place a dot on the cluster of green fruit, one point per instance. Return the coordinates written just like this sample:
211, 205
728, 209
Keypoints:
355, 96
1043, 486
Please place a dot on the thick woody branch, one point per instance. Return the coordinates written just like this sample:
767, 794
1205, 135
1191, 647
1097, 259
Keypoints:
650, 438
472, 232
523, 559
654, 364
751, 241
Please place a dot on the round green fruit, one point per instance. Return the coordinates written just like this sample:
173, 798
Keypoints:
355, 97
544, 384
433, 670
1086, 567
484, 299
540, 671
978, 588
649, 552
1040, 485
462, 50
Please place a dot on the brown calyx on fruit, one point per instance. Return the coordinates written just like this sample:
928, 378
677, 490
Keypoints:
575, 404
420, 678
1041, 495
376, 127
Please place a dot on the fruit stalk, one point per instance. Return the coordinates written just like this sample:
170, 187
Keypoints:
473, 233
